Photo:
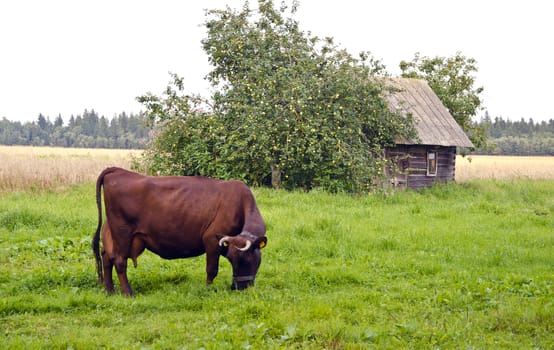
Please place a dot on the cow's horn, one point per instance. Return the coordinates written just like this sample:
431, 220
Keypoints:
246, 247
224, 241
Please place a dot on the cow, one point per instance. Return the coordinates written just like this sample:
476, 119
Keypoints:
176, 217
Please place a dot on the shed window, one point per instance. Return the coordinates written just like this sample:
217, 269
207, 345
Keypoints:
431, 163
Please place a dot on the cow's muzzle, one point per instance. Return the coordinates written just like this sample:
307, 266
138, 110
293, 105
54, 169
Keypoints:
242, 282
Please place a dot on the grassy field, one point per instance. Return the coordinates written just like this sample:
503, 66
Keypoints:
461, 266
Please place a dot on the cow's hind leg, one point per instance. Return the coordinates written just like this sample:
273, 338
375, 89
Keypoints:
107, 263
118, 253
107, 257
121, 269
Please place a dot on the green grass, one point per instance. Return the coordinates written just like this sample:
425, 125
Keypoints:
462, 266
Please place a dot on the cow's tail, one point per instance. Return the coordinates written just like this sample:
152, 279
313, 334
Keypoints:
96, 237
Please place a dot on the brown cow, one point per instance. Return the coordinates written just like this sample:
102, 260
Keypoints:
176, 217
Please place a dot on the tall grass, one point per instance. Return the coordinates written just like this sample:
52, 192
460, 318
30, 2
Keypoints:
23, 167
504, 168
460, 266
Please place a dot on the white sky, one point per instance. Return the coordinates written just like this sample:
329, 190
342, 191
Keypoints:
62, 57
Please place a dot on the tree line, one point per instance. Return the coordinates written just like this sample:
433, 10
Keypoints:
505, 136
88, 130
519, 137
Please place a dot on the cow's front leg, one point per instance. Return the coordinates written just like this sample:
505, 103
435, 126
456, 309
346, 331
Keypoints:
121, 269
212, 264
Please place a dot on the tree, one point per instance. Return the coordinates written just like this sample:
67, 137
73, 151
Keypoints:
306, 112
90, 122
288, 109
103, 127
41, 121
11, 133
182, 134
452, 79
58, 122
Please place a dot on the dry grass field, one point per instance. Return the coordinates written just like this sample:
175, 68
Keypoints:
504, 168
25, 167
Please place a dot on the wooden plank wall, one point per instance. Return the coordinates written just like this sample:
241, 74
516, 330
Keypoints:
412, 163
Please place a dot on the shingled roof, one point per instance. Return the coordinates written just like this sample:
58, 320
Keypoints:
433, 123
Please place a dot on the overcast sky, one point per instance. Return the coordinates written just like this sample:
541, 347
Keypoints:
62, 57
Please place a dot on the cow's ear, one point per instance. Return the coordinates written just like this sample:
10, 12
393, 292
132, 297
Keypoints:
261, 242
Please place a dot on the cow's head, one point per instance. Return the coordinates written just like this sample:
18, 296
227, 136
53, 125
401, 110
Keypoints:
243, 251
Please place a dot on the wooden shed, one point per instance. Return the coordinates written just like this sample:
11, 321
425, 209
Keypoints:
431, 157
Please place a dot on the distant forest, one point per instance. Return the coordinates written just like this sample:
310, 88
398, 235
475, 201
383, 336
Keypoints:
523, 137
89, 130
